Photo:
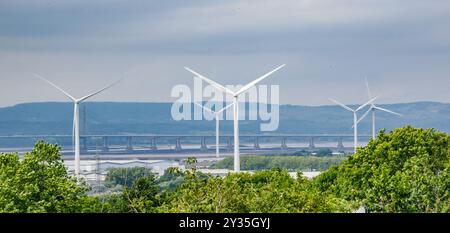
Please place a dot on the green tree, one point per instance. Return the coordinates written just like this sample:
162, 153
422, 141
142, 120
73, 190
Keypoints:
170, 180
142, 196
39, 183
291, 163
262, 192
324, 152
125, 176
406, 170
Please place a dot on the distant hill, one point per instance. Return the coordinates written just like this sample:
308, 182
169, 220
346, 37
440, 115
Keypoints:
147, 118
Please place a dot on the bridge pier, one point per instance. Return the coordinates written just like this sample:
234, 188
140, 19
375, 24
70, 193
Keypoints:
229, 144
256, 144
340, 145
283, 143
311, 144
105, 147
203, 146
102, 141
129, 143
153, 144
178, 145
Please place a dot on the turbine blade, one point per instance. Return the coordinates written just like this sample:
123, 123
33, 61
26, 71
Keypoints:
342, 105
213, 83
205, 108
99, 91
223, 109
389, 111
364, 105
55, 86
364, 115
251, 84
368, 88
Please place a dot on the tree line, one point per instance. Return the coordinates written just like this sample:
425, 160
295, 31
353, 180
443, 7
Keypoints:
405, 170
290, 163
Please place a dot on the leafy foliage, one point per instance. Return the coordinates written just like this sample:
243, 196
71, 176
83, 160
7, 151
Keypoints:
171, 180
406, 170
324, 152
291, 163
125, 176
142, 196
262, 192
38, 183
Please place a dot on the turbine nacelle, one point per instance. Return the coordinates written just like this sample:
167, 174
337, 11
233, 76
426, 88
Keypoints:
375, 107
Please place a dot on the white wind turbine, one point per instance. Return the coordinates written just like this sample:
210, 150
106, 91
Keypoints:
217, 117
372, 109
76, 126
355, 118
236, 106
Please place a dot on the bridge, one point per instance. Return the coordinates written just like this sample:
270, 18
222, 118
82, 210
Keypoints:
151, 142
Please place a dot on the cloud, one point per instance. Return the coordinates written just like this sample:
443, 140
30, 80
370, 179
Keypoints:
329, 46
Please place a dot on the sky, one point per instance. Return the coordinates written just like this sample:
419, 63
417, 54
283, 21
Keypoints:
328, 46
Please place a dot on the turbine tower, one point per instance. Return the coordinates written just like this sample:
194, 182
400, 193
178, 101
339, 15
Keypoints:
236, 106
372, 109
76, 117
217, 117
355, 118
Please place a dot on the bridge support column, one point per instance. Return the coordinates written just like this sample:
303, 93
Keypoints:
283, 143
178, 145
340, 145
311, 144
256, 144
154, 145
203, 146
84, 144
229, 144
105, 147
129, 144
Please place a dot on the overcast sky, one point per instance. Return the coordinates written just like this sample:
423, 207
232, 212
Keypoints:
328, 46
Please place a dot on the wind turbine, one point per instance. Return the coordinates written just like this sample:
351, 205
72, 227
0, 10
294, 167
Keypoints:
217, 116
355, 118
76, 126
372, 109
236, 106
